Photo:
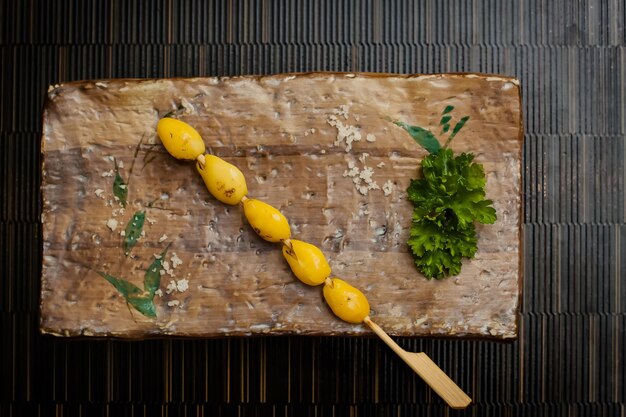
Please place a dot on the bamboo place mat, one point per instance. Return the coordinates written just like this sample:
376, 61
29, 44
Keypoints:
570, 60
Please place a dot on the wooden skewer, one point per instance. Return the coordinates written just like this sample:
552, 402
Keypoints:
427, 370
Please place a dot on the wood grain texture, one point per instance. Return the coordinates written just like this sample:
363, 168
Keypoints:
239, 284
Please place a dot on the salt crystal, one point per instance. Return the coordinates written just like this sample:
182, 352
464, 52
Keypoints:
171, 287
175, 260
112, 224
388, 187
182, 285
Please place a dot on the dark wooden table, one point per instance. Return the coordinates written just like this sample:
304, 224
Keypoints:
570, 59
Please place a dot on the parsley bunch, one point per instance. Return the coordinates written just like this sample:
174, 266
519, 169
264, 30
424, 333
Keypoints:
448, 199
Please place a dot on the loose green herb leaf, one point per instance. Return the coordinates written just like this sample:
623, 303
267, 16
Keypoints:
125, 288
444, 120
447, 200
447, 110
423, 137
132, 294
458, 127
152, 278
120, 189
133, 230
145, 305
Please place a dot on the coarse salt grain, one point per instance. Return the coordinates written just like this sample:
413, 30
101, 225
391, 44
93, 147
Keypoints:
112, 224
388, 187
163, 238
176, 261
99, 193
171, 287
159, 292
370, 138
173, 303
182, 285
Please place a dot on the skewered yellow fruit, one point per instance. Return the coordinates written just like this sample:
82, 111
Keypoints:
347, 302
307, 262
225, 181
181, 140
268, 222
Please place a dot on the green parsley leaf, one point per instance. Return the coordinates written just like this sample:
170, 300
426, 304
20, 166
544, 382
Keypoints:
448, 200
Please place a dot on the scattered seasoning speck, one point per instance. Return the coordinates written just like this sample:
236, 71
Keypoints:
176, 261
112, 224
171, 287
388, 187
182, 285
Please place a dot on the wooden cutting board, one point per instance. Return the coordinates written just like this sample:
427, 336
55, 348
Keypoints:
282, 132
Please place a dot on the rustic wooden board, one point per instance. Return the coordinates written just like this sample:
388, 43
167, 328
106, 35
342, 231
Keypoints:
275, 129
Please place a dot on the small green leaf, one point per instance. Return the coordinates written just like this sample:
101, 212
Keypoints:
120, 189
133, 230
152, 278
423, 137
132, 294
448, 109
145, 305
458, 126
444, 120
446, 127
125, 288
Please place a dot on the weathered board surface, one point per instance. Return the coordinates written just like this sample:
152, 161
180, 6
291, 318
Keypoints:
275, 128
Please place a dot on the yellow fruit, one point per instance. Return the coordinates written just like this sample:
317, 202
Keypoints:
268, 222
348, 303
225, 181
181, 140
307, 262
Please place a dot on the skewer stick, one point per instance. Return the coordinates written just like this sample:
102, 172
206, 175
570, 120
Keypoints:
201, 160
427, 370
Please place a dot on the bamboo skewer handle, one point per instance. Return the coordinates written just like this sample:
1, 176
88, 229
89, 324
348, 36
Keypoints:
427, 370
